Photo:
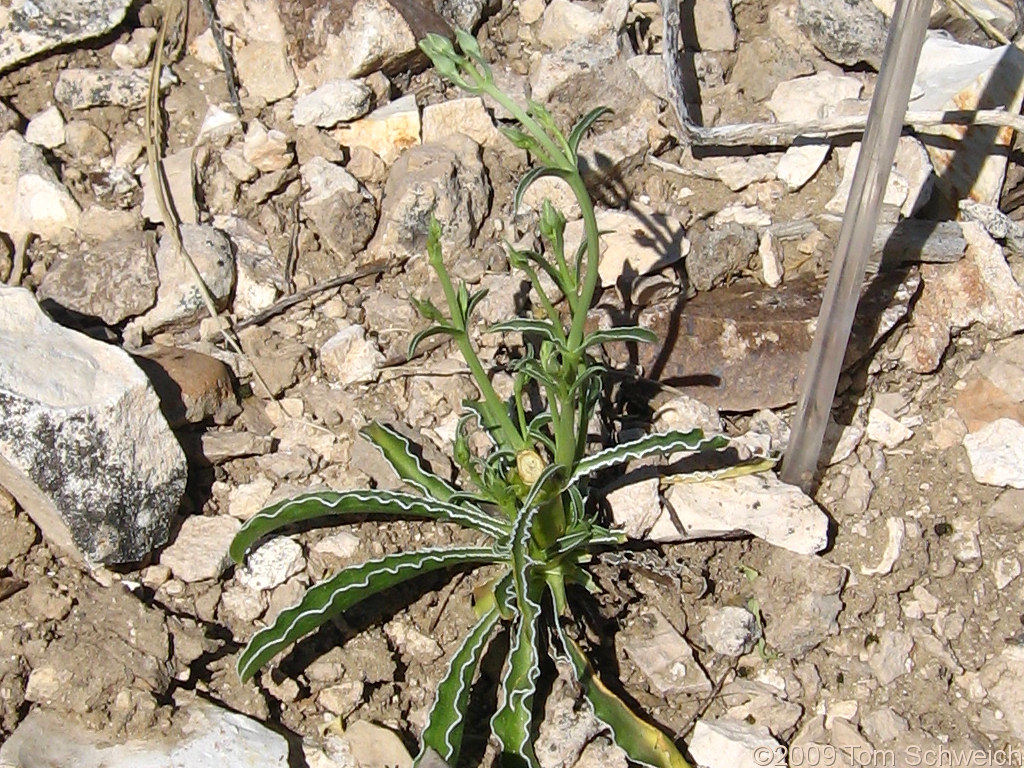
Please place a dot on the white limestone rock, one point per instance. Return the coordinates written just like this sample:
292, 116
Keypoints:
34, 200
728, 743
339, 101
731, 630
272, 564
662, 655
200, 550
46, 129
996, 452
388, 130
349, 357
207, 736
83, 444
759, 504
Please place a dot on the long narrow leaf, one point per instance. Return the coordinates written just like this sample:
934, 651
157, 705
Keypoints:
397, 451
645, 744
524, 325
339, 593
512, 724
648, 445
583, 125
447, 718
531, 176
639, 335
434, 330
310, 506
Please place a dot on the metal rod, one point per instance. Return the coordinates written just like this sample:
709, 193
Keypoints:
839, 305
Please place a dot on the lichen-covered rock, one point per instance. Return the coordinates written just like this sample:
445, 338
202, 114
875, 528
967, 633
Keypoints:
83, 445
27, 29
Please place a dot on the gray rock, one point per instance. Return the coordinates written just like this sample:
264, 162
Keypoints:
348, 357
846, 31
800, 601
554, 71
712, 21
84, 446
731, 630
716, 254
662, 655
180, 174
260, 275
728, 743
338, 101
264, 69
1001, 677
9, 119
200, 550
341, 210
85, 88
446, 179
889, 658
114, 280
464, 14
565, 730
178, 298
996, 452
28, 29
208, 735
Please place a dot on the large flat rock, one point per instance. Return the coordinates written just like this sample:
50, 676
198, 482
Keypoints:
83, 445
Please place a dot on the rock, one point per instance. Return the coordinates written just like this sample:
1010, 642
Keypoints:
463, 14
339, 101
353, 38
86, 143
259, 280
445, 179
1006, 513
889, 658
565, 728
977, 289
388, 130
271, 565
28, 29
685, 413
747, 215
85, 449
897, 532
762, 701
135, 53
996, 452
340, 546
207, 735
637, 242
263, 68
757, 504
1000, 675
846, 31
907, 188
341, 210
636, 504
731, 630
662, 655
180, 175
112, 281
813, 96
46, 129
557, 191
719, 254
763, 63
800, 162
566, 22
554, 71
746, 345
740, 172
467, 116
85, 88
220, 447
200, 550
953, 75
884, 429
373, 746
601, 753
348, 357
192, 387
712, 21
35, 200
727, 743
247, 499
266, 150
178, 298
411, 643
800, 602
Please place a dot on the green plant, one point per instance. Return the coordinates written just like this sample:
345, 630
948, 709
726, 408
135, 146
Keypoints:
527, 497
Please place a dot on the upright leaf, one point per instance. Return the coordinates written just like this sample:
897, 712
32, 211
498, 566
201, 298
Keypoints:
397, 451
447, 717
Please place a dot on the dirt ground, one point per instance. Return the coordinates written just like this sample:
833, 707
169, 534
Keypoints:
116, 647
